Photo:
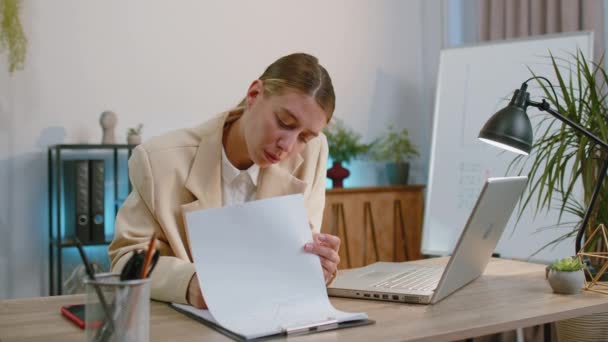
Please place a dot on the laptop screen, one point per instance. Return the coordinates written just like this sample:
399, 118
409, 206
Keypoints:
481, 233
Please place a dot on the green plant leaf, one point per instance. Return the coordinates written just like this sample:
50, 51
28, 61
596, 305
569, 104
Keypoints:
12, 37
395, 146
562, 157
569, 264
344, 143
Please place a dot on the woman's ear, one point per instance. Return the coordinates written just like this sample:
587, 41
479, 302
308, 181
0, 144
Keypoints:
253, 93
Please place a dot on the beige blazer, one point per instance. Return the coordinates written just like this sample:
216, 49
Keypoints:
181, 171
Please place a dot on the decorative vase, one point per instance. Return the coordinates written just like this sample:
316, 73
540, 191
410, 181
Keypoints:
134, 139
398, 173
565, 282
337, 174
108, 120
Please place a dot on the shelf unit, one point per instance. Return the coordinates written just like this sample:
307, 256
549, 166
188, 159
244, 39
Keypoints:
57, 242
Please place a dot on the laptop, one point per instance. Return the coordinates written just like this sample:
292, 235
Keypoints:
411, 283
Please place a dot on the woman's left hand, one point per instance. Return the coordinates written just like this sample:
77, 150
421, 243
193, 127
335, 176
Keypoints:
326, 246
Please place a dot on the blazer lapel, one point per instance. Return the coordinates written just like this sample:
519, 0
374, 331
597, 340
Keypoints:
204, 179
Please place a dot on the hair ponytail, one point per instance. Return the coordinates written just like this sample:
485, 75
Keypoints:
303, 73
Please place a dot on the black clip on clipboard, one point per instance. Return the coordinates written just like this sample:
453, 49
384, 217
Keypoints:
328, 324
304, 329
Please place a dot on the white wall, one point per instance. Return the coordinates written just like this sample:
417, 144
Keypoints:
5, 180
174, 64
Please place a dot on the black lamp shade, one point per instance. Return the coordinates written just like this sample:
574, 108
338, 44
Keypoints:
509, 128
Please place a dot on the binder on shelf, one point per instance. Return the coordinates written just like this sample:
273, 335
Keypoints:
76, 190
75, 214
97, 192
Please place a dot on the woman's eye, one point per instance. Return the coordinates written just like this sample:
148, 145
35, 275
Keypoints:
282, 123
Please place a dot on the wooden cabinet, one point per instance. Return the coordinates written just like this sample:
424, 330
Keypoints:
372, 223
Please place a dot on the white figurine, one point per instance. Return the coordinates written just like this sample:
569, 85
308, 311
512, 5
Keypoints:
108, 120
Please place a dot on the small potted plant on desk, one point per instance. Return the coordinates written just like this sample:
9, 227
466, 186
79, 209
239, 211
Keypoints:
397, 149
344, 145
566, 275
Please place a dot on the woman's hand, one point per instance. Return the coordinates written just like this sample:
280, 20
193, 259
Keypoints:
326, 246
195, 296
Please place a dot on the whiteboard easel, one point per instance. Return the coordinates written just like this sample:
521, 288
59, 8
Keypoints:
473, 83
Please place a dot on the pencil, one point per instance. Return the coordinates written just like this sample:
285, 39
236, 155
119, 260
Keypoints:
149, 253
91, 274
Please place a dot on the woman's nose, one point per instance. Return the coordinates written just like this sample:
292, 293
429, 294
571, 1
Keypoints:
287, 142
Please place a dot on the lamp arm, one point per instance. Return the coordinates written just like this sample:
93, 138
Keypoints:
544, 106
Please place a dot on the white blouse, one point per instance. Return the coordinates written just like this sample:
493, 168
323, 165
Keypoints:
238, 186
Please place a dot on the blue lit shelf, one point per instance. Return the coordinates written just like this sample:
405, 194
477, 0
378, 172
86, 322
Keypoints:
72, 243
59, 237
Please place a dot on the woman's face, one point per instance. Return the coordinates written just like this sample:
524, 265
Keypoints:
277, 127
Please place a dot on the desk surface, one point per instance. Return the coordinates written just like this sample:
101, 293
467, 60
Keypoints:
509, 295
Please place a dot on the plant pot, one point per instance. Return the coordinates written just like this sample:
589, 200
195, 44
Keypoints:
134, 139
337, 174
565, 282
398, 173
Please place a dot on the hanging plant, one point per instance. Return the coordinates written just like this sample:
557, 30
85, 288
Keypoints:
12, 37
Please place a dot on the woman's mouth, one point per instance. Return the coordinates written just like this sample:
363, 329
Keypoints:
271, 157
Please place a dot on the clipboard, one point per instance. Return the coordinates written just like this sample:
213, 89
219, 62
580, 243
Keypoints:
316, 327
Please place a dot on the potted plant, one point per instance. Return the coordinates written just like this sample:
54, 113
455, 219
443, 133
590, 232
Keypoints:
396, 148
562, 157
344, 145
134, 135
566, 275
11, 34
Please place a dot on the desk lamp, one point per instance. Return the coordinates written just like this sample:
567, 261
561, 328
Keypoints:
510, 129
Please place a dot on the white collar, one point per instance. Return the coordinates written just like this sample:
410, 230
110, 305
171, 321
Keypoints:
230, 172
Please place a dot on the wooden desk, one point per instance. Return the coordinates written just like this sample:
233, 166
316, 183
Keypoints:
509, 295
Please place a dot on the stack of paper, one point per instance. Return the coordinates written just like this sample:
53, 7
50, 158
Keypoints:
253, 271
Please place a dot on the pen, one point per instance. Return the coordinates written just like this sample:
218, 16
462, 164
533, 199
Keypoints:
144, 270
91, 275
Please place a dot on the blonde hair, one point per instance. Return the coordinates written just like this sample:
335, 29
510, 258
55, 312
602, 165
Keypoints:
299, 72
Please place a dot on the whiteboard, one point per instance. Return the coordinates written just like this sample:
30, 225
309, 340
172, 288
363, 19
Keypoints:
473, 83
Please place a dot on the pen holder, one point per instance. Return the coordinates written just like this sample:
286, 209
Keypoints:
117, 310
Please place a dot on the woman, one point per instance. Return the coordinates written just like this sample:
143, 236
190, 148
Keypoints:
270, 145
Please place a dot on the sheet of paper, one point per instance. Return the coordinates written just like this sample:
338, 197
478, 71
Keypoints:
252, 268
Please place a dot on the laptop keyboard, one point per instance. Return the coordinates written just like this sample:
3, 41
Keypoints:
421, 279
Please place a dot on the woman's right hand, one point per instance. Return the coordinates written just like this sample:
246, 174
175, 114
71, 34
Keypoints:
195, 296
